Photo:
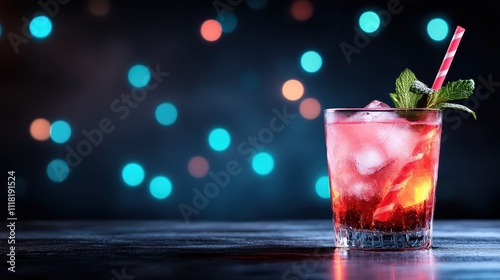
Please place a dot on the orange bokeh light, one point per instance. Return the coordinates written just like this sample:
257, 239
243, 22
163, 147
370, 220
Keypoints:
99, 7
302, 10
310, 108
198, 166
40, 129
211, 30
292, 90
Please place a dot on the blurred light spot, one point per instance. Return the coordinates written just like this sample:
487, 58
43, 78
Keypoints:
0, 30
292, 90
310, 108
160, 187
40, 27
369, 22
249, 80
133, 174
302, 10
60, 131
437, 29
211, 30
262, 163
256, 4
166, 114
198, 167
219, 139
21, 185
311, 61
57, 170
323, 187
40, 129
139, 76
229, 23
99, 7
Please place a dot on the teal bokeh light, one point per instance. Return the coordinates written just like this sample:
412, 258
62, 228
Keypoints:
160, 187
166, 114
229, 22
219, 139
60, 131
139, 76
40, 27
369, 22
323, 187
437, 29
133, 174
263, 163
311, 61
57, 170
256, 4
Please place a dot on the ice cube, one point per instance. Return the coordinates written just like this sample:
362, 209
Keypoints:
374, 115
398, 139
363, 189
369, 160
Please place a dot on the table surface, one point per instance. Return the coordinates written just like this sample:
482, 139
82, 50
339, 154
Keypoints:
291, 250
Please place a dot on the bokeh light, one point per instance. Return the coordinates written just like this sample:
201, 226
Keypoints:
292, 90
99, 7
437, 29
132, 174
310, 108
369, 22
40, 27
139, 76
311, 61
256, 4
198, 166
323, 187
57, 170
160, 187
228, 22
211, 30
60, 131
219, 139
0, 30
40, 129
166, 114
263, 163
302, 10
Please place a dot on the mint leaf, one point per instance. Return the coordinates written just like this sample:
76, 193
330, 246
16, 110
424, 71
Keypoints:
456, 90
456, 106
404, 98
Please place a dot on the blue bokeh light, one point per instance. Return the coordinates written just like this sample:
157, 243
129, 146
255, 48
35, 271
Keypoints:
229, 22
437, 29
0, 30
219, 139
323, 187
40, 27
57, 170
160, 187
311, 61
139, 76
60, 131
256, 4
133, 174
369, 22
263, 163
166, 114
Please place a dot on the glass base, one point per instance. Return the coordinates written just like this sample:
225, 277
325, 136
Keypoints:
377, 240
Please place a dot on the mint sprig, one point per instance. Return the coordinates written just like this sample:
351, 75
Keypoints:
411, 93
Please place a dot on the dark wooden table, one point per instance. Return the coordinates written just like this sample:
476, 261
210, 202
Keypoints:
240, 250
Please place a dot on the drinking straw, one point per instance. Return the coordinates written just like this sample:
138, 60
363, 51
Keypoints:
450, 53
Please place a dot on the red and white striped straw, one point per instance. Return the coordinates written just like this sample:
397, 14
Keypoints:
450, 53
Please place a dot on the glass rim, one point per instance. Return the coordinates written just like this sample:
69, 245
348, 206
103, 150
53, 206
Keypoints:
328, 110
